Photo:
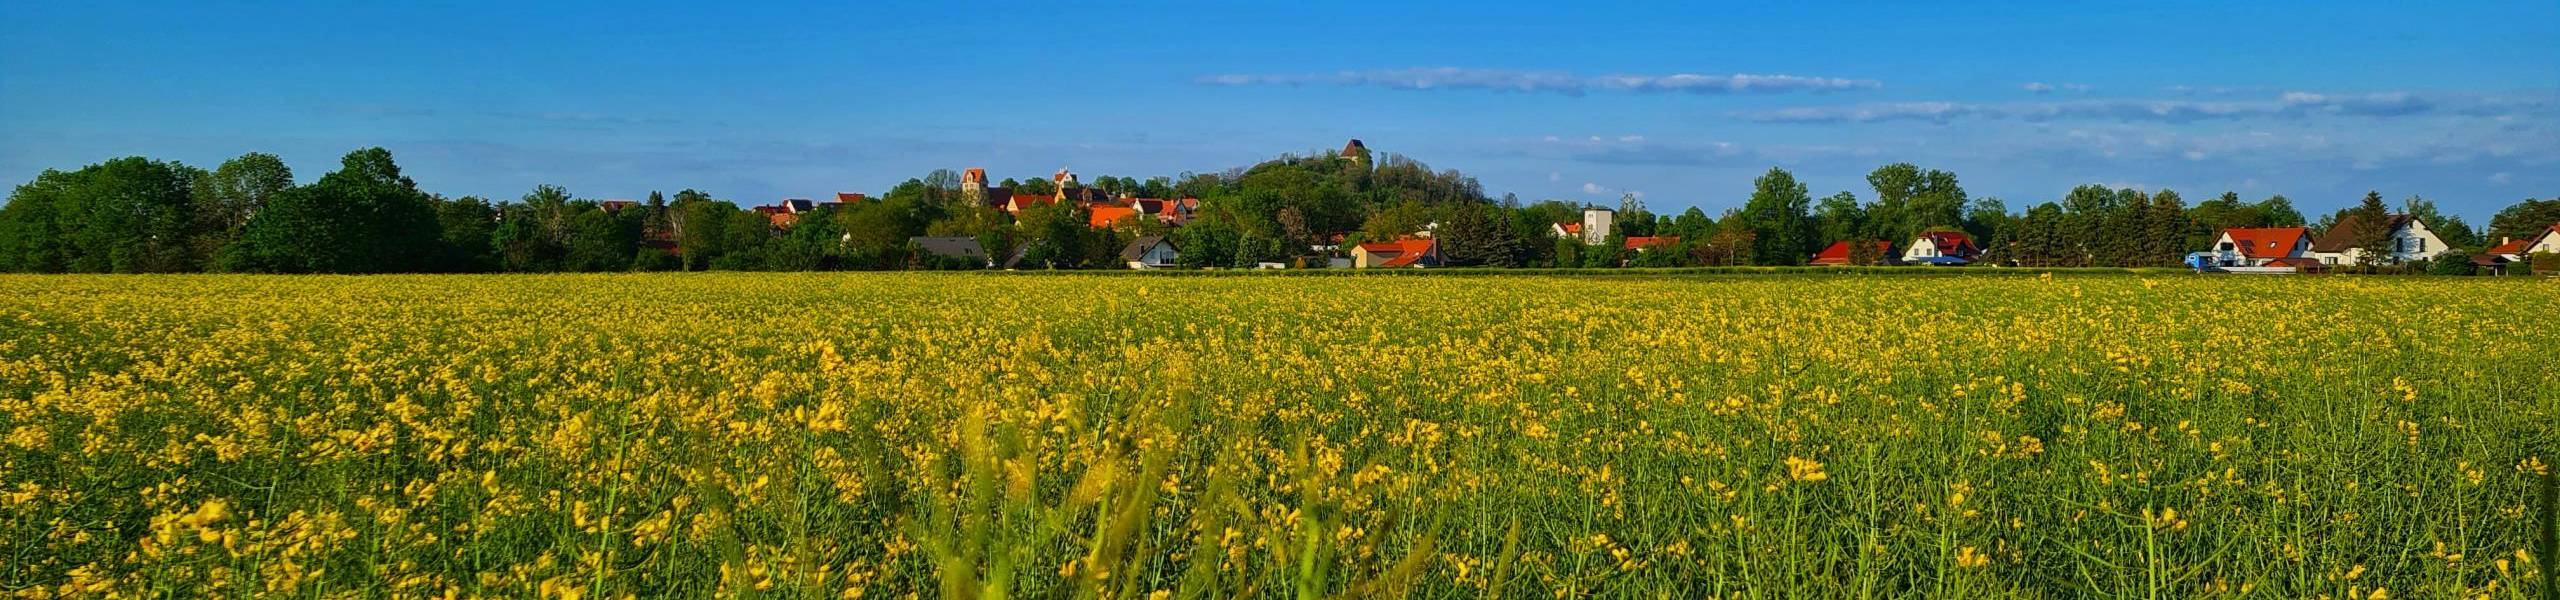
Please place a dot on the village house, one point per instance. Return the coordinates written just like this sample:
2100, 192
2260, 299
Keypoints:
1409, 252
1941, 248
1150, 252
1838, 254
2519, 250
2410, 242
2548, 242
2259, 246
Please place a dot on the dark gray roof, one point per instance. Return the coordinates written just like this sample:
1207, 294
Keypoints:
954, 247
1138, 247
2342, 235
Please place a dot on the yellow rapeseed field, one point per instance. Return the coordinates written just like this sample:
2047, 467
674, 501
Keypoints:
1094, 436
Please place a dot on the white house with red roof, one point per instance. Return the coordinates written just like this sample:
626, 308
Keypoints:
1409, 252
2261, 246
1941, 248
2516, 250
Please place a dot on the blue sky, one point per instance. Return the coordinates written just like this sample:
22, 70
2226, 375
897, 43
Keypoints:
1581, 101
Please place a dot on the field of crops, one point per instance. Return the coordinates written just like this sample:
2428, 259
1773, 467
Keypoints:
991, 436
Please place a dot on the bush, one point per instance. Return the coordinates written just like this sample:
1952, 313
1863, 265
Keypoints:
2450, 263
2543, 262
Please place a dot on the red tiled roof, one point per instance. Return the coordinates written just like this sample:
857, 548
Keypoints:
2268, 242
849, 197
1634, 242
1838, 252
1571, 228
2511, 247
1952, 243
1413, 252
1104, 216
1402, 253
783, 220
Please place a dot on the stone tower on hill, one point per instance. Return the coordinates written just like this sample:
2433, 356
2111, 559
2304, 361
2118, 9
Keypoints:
1356, 151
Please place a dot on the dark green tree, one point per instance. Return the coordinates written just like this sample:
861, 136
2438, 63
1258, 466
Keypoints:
363, 218
468, 225
2523, 220
2372, 232
1782, 230
231, 194
1840, 217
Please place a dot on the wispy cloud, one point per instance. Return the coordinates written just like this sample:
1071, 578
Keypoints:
2290, 104
1559, 82
2048, 88
1632, 150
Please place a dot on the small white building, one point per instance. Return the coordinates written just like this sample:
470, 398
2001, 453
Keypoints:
2411, 241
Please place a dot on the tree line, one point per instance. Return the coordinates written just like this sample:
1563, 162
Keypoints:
137, 215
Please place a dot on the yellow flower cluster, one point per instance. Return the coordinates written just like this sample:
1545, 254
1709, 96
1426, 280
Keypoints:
1002, 436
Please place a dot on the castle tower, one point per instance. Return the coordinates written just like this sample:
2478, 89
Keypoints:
1356, 152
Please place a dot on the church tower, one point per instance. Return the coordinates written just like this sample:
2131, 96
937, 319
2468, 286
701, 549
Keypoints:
973, 184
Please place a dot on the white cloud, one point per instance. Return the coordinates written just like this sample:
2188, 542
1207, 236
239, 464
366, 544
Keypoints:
1505, 80
2289, 104
2502, 178
1594, 188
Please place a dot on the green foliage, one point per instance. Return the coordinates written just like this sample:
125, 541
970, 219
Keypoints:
136, 215
128, 215
363, 218
234, 191
1777, 216
469, 226
2524, 219
2450, 263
